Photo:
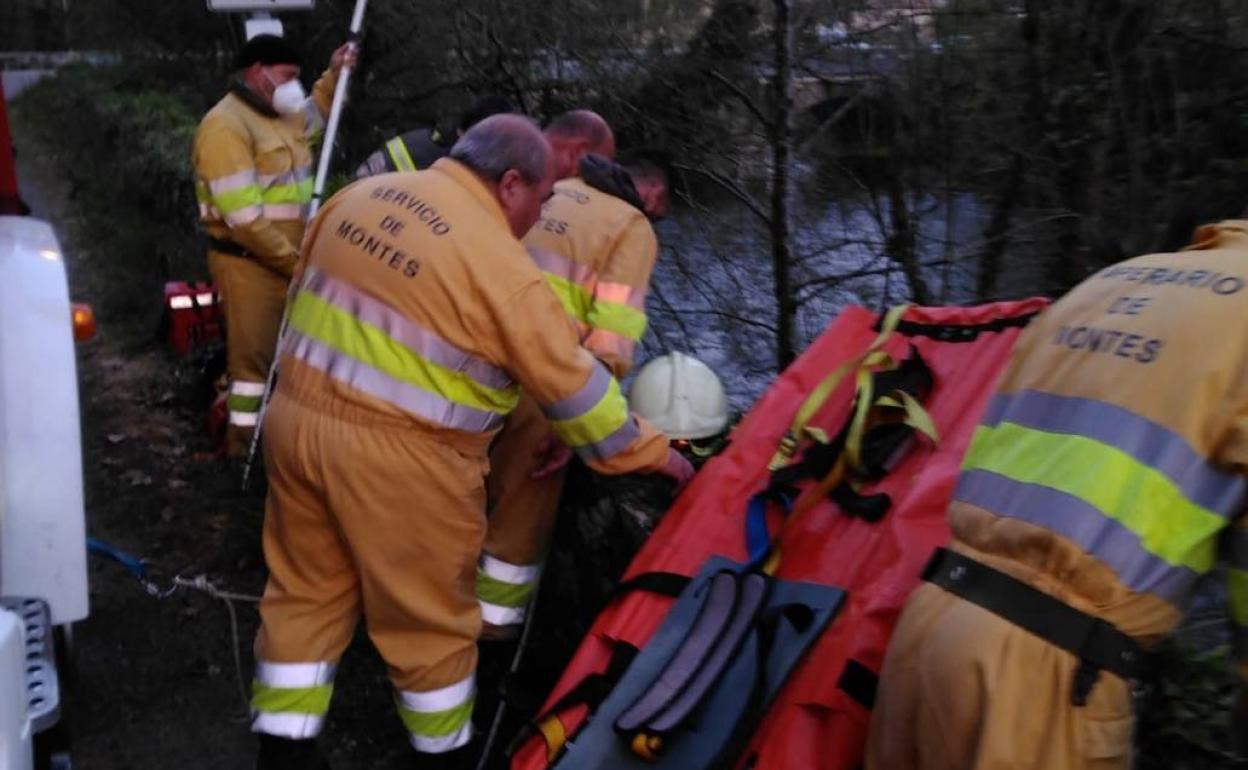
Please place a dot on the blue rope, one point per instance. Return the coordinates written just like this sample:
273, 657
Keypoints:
757, 538
133, 564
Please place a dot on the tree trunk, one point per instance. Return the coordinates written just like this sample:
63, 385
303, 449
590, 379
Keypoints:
996, 233
901, 244
781, 186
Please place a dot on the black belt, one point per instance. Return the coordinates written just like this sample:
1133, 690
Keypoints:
227, 247
1096, 642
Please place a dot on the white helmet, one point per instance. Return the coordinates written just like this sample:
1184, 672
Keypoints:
680, 396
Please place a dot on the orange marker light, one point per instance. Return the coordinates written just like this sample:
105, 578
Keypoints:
84, 321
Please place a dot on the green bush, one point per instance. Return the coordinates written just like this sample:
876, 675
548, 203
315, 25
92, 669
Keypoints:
123, 148
1184, 720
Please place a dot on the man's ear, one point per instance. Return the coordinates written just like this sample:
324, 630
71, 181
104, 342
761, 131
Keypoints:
510, 183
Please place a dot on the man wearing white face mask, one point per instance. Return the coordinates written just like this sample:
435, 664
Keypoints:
253, 181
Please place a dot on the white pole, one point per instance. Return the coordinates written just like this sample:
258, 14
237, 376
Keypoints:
335, 114
318, 190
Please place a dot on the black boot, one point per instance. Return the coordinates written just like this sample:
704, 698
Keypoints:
288, 754
460, 759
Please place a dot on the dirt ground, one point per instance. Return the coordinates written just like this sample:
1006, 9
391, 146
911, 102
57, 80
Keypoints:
157, 684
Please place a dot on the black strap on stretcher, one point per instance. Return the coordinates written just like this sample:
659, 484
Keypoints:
881, 447
1097, 643
959, 332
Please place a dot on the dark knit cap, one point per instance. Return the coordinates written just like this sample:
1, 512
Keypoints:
267, 49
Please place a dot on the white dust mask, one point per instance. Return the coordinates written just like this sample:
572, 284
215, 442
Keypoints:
288, 98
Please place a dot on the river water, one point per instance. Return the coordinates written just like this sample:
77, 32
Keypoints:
712, 292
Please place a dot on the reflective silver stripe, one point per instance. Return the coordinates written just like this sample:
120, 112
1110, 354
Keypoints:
244, 388
431, 717
440, 699
1072, 518
282, 211
290, 177
1145, 441
244, 216
287, 725
399, 155
563, 267
497, 615
232, 182
363, 377
585, 399
443, 743
244, 419
511, 574
612, 445
410, 334
518, 574
289, 675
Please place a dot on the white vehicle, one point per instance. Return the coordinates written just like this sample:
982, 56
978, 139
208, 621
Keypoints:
43, 571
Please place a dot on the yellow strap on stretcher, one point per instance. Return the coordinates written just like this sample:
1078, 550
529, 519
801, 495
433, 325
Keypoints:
555, 735
871, 357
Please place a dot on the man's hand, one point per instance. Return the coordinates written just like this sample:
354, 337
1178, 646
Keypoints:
678, 469
346, 56
551, 454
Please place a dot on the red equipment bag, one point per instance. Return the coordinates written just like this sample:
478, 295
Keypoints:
191, 314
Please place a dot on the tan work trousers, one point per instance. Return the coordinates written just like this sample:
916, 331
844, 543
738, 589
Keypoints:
368, 514
521, 512
252, 300
963, 689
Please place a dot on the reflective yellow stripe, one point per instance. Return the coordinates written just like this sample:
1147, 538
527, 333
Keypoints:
624, 320
236, 403
296, 192
1140, 498
238, 199
291, 700
602, 420
572, 296
435, 724
503, 594
399, 155
341, 331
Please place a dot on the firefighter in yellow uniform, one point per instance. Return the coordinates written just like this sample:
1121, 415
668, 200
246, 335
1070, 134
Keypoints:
418, 318
419, 148
253, 180
597, 249
1107, 476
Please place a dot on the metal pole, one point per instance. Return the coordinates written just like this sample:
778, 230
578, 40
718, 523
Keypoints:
335, 113
318, 189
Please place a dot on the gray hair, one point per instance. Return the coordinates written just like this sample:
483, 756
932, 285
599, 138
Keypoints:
503, 142
581, 124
